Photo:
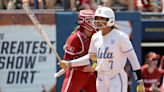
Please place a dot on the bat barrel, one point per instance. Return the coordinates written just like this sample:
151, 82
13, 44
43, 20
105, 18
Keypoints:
40, 30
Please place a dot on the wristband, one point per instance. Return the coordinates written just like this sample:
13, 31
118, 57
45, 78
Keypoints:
94, 65
69, 64
137, 75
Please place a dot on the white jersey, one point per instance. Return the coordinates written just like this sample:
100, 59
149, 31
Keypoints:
110, 49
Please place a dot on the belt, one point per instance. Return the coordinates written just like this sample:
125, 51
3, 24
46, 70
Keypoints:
112, 71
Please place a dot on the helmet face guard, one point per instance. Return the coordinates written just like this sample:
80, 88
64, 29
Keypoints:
106, 13
98, 24
85, 19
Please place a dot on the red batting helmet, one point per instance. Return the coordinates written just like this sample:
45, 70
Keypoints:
85, 19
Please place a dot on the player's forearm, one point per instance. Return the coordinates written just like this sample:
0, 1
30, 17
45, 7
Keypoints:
82, 61
133, 60
135, 64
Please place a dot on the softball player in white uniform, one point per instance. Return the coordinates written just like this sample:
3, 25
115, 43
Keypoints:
111, 48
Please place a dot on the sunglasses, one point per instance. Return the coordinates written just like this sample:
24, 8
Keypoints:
153, 59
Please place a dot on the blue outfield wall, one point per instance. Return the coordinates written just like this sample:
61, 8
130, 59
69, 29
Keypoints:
66, 21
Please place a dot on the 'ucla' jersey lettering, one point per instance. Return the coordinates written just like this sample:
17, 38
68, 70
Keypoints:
105, 54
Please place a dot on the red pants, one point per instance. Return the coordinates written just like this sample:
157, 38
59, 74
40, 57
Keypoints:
75, 80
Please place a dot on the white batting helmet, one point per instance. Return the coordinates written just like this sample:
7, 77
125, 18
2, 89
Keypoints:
106, 12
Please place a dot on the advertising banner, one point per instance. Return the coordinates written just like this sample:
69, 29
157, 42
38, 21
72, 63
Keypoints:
152, 30
27, 64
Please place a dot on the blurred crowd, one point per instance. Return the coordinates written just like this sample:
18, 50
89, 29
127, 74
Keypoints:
76, 5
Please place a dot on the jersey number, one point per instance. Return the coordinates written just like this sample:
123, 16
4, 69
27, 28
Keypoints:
111, 61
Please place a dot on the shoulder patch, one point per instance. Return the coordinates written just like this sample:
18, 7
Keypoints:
69, 48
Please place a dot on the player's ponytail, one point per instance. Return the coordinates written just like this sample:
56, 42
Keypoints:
115, 26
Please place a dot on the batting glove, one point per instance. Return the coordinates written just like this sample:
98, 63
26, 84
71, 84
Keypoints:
64, 64
140, 86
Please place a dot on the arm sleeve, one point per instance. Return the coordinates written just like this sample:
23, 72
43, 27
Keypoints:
82, 61
127, 48
133, 60
135, 64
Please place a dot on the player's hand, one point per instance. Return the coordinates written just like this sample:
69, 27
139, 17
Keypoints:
64, 64
140, 86
88, 69
154, 88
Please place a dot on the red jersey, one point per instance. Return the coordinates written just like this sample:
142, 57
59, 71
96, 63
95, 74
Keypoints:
150, 78
77, 45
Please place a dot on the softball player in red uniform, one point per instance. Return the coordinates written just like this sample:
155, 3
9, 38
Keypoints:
151, 74
76, 46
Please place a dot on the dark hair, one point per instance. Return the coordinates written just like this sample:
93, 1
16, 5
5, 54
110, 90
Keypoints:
115, 26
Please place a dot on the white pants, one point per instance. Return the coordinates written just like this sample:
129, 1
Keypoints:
112, 82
